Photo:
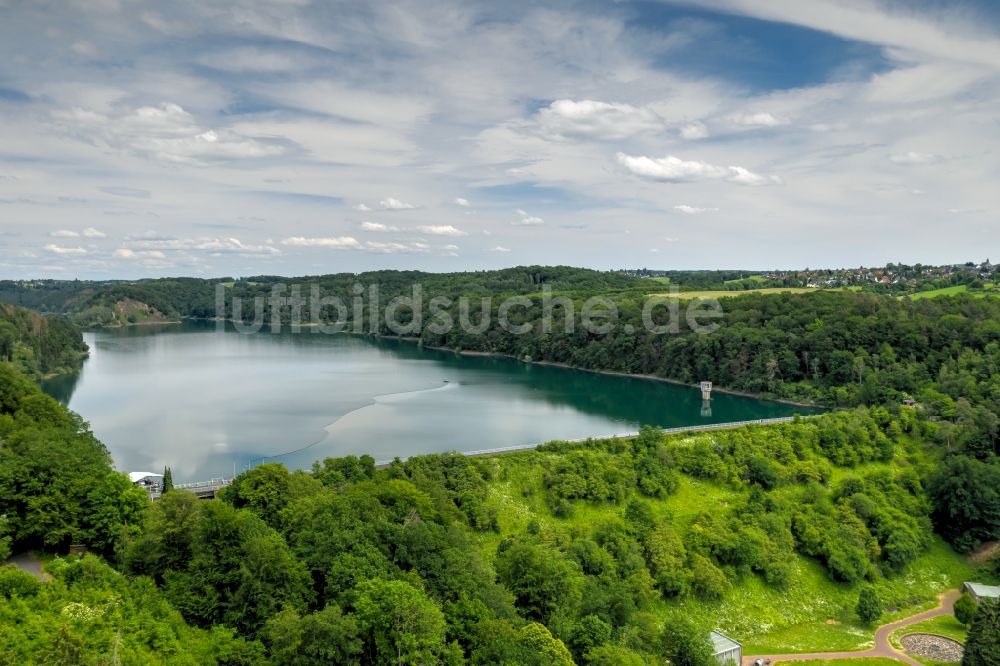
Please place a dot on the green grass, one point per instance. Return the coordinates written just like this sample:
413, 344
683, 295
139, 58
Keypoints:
814, 613
722, 293
873, 661
952, 291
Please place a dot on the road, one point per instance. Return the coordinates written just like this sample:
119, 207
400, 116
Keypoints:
883, 648
28, 561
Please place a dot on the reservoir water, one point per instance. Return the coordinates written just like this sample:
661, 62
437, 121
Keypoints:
209, 402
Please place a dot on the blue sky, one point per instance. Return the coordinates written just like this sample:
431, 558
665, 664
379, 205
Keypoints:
237, 138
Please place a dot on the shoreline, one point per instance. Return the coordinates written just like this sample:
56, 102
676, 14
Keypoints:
614, 373
554, 364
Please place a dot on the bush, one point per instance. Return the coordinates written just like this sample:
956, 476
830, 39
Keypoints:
965, 609
14, 582
869, 607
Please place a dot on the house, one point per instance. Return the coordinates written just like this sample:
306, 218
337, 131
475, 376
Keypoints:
147, 480
978, 591
727, 651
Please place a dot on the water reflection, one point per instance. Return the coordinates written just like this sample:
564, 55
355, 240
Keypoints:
206, 402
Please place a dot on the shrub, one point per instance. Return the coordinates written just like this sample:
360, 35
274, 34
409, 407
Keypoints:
869, 607
965, 609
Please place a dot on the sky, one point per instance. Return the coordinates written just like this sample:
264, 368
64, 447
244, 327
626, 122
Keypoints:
209, 138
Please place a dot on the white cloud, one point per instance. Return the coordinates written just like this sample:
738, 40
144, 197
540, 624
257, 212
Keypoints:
440, 230
747, 177
125, 253
459, 201
378, 247
566, 118
391, 203
156, 21
694, 131
64, 233
911, 158
886, 24
377, 226
670, 168
693, 210
91, 232
338, 242
675, 170
500, 248
392, 248
251, 59
209, 245
468, 122
527, 220
66, 251
85, 48
759, 120
166, 133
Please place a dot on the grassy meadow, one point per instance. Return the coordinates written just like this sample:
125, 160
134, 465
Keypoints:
813, 613
989, 289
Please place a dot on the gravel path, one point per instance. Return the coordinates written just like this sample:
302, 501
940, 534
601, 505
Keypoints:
883, 648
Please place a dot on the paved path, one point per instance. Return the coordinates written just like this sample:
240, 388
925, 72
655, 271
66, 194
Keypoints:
883, 648
28, 561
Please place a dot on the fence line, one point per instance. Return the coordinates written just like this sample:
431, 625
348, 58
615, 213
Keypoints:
626, 435
217, 481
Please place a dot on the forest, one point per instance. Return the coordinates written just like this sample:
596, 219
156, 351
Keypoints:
39, 345
603, 552
587, 553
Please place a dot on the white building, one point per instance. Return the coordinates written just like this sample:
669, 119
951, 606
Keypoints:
727, 651
146, 479
978, 591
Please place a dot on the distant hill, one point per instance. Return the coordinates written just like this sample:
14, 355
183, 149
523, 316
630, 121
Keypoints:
116, 302
40, 345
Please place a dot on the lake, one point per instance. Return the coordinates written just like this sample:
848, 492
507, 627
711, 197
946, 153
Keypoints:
210, 402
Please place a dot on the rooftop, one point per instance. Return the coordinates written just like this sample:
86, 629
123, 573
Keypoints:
139, 476
980, 590
723, 643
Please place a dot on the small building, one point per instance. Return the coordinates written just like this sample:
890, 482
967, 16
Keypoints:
727, 651
978, 591
147, 480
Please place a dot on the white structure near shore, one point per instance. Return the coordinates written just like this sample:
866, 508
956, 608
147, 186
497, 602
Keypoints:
727, 651
978, 591
146, 479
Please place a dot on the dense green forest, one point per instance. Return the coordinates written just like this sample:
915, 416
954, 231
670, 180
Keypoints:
587, 553
57, 484
92, 303
604, 552
39, 345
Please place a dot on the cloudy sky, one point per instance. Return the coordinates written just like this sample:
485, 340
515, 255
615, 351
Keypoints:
239, 138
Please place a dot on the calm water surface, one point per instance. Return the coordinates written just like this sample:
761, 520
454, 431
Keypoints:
207, 402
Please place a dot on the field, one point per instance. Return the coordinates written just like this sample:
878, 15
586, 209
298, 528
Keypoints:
722, 293
814, 613
952, 291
